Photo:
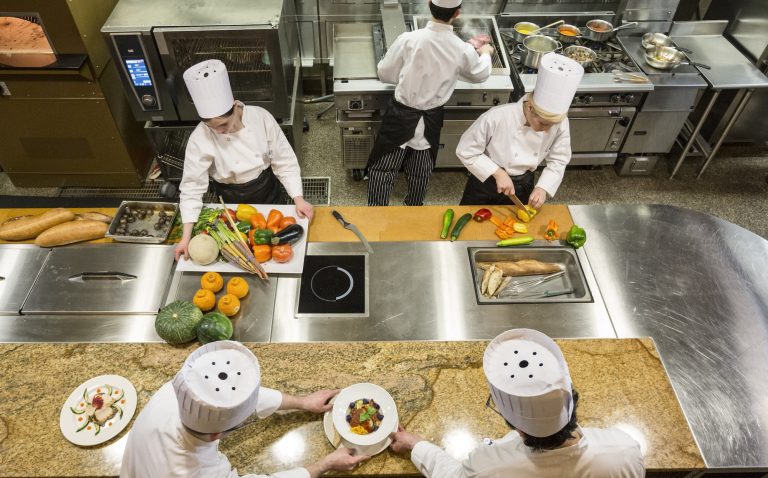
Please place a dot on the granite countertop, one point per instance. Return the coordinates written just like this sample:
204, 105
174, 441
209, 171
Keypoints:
439, 388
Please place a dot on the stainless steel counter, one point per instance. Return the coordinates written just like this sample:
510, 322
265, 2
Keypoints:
699, 286
424, 291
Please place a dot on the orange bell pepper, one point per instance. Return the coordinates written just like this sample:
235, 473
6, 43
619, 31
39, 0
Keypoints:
262, 252
282, 253
287, 220
274, 218
258, 221
551, 231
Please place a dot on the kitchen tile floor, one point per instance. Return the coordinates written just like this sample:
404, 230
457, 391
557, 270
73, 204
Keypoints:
733, 188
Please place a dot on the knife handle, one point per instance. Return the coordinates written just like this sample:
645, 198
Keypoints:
339, 218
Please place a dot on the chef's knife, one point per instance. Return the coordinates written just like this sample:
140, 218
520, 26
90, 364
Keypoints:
517, 202
354, 229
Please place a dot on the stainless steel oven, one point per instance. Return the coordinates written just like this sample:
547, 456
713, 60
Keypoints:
153, 43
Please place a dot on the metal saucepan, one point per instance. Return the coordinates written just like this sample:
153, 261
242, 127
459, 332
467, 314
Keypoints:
536, 46
668, 58
581, 54
522, 30
652, 40
568, 33
600, 30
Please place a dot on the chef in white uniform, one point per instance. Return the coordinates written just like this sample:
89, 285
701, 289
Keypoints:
531, 389
242, 148
425, 65
216, 392
507, 143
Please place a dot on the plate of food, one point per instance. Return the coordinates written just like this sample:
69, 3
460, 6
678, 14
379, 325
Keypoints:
272, 235
98, 410
362, 418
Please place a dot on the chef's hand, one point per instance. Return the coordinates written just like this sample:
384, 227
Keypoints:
403, 441
182, 248
537, 198
343, 459
318, 402
486, 50
303, 208
503, 182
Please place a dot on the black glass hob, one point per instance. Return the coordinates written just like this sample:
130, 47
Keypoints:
334, 285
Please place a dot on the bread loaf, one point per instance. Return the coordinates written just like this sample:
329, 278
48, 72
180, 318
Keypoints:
525, 267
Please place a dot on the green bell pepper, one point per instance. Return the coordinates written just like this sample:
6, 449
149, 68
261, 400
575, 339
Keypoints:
262, 236
576, 237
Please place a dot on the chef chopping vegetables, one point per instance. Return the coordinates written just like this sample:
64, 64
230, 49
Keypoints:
425, 65
242, 148
507, 143
531, 390
217, 391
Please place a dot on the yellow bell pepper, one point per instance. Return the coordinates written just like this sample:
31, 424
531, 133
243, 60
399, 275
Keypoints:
244, 212
526, 215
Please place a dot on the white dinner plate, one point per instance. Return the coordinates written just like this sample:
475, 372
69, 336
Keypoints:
74, 421
336, 439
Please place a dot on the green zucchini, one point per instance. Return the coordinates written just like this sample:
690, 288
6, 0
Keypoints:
515, 241
447, 221
84, 425
463, 220
76, 411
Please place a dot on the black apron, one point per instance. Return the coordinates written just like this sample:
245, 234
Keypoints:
398, 126
265, 189
484, 193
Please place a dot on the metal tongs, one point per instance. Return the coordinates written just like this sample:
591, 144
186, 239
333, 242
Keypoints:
626, 76
517, 287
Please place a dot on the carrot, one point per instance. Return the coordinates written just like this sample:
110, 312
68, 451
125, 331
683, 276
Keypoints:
29, 227
73, 231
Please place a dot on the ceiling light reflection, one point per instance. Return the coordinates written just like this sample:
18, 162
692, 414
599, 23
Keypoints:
290, 449
636, 434
459, 443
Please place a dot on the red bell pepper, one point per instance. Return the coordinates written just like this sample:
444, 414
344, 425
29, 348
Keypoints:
482, 215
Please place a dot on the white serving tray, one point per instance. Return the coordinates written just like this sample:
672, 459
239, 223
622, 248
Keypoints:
294, 266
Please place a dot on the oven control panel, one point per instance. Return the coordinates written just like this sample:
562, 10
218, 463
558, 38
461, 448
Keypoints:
137, 71
607, 99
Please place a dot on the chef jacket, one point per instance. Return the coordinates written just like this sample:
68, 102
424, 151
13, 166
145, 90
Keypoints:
500, 139
600, 453
159, 445
236, 159
425, 65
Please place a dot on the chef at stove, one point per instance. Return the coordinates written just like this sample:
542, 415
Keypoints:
425, 64
532, 392
242, 148
507, 143
216, 392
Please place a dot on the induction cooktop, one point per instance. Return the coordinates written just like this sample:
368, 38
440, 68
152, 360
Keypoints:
334, 286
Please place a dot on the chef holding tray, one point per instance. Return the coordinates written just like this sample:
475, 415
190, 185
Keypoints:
242, 148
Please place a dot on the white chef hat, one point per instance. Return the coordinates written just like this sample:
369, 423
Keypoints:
446, 3
556, 82
208, 85
529, 381
217, 388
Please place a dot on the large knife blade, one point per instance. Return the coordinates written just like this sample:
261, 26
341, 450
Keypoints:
353, 228
517, 202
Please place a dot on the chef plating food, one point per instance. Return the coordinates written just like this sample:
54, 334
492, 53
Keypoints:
425, 65
217, 391
532, 392
242, 148
507, 143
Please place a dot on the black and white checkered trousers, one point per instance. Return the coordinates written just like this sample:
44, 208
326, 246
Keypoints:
417, 166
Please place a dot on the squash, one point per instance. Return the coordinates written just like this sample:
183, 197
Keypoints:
213, 327
212, 281
176, 323
238, 287
229, 305
204, 299
203, 249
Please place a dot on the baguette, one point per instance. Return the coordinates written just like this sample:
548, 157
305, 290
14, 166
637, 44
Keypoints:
72, 231
30, 226
525, 267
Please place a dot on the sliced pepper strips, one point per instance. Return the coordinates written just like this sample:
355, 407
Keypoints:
482, 215
576, 237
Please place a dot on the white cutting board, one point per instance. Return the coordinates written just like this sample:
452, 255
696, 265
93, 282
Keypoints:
294, 266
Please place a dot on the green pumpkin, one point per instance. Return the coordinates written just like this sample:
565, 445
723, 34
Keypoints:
176, 323
213, 327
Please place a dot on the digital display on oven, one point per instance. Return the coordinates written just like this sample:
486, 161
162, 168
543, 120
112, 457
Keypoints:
137, 69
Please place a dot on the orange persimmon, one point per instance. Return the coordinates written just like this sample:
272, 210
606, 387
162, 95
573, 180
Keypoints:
282, 253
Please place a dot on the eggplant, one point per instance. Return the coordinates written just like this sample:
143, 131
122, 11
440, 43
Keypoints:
289, 235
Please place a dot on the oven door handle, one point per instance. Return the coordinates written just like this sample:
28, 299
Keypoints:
610, 117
